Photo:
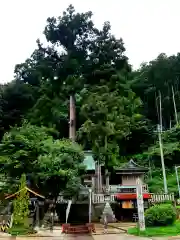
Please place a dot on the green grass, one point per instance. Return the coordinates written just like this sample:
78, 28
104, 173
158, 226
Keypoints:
20, 230
172, 230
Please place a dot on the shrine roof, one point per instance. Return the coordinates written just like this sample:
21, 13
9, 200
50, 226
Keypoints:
131, 166
89, 161
28, 189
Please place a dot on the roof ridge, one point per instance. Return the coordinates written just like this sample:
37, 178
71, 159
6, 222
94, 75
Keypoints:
132, 161
131, 164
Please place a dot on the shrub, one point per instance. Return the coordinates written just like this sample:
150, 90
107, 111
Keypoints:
21, 204
160, 215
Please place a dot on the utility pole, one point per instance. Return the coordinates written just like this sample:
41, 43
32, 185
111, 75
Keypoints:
175, 108
162, 162
161, 146
72, 118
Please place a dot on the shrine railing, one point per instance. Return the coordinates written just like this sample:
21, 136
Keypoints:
121, 189
101, 198
157, 198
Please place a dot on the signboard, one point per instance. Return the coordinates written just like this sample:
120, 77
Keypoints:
140, 205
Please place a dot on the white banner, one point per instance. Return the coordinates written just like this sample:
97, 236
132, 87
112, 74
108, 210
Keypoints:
140, 205
68, 209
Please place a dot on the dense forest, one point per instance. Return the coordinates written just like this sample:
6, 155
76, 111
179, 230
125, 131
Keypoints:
117, 108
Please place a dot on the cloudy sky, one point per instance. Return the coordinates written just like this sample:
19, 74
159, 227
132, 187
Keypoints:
148, 27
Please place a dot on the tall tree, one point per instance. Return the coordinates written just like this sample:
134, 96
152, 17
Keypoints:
110, 109
76, 51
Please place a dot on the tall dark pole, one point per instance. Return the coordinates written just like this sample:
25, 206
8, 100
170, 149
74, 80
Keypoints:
72, 118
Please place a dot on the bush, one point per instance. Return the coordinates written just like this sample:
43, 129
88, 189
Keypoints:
160, 215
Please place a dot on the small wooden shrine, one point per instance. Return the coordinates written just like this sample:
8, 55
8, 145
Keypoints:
126, 193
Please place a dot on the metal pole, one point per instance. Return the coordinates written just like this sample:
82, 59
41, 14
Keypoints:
162, 162
90, 204
160, 112
175, 109
177, 178
161, 145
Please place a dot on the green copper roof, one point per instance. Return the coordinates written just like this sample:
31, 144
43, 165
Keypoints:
89, 161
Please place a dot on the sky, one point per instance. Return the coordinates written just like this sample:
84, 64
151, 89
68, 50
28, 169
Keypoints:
148, 27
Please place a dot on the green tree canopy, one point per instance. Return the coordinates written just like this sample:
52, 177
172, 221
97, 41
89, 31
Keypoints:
161, 74
49, 164
16, 98
109, 109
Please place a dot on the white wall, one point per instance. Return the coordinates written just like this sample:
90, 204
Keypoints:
130, 179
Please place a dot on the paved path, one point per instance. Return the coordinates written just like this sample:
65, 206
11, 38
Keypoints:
117, 237
85, 237
56, 235
80, 237
62, 237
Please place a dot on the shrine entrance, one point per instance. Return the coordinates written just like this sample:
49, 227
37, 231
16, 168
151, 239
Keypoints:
124, 213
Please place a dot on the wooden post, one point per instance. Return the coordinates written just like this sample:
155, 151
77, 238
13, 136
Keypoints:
72, 118
37, 214
93, 183
52, 221
90, 204
107, 180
